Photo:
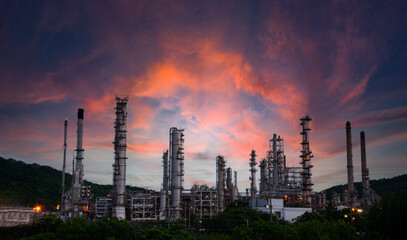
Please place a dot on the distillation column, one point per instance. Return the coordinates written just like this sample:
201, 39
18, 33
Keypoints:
274, 160
119, 166
235, 191
62, 205
351, 186
78, 173
220, 182
280, 163
365, 171
306, 156
263, 177
229, 186
177, 170
164, 190
252, 177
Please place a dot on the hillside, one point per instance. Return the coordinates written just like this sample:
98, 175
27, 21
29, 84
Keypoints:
30, 184
384, 186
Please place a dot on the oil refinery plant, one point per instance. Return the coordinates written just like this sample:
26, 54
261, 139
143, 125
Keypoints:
281, 190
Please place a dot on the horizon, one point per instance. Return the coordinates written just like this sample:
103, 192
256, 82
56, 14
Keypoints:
230, 73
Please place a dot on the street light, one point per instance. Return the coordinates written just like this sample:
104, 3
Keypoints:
37, 208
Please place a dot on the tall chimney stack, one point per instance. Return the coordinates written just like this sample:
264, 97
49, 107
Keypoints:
365, 170
78, 174
351, 186
62, 205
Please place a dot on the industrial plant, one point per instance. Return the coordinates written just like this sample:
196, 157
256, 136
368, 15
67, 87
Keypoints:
281, 190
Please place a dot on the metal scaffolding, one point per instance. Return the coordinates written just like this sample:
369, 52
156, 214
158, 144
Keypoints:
119, 166
253, 170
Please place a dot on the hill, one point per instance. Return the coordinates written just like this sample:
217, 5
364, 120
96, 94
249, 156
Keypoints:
384, 186
30, 184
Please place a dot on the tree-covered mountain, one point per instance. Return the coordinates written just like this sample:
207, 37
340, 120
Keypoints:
30, 184
385, 186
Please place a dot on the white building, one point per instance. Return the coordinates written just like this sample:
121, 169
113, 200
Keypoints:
277, 208
16, 216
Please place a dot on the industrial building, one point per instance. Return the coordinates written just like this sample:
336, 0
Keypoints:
13, 216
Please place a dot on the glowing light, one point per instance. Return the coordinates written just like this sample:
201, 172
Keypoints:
37, 208
360, 210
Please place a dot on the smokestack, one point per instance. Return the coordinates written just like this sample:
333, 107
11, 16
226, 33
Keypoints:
164, 191
365, 170
306, 156
119, 166
177, 170
78, 174
351, 186
62, 205
253, 171
220, 181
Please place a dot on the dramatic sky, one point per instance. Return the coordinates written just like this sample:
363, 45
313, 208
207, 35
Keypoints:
231, 73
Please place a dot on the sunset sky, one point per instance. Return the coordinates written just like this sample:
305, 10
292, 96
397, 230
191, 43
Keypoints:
231, 73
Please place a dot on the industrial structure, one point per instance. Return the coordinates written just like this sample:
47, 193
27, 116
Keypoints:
14, 216
252, 178
285, 191
306, 156
119, 166
62, 205
76, 201
263, 187
351, 185
220, 182
204, 201
164, 190
349, 194
144, 207
176, 157
368, 195
78, 174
